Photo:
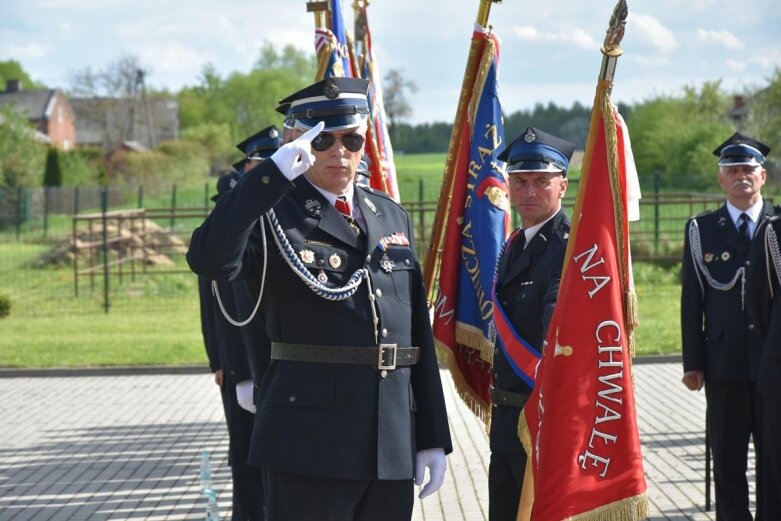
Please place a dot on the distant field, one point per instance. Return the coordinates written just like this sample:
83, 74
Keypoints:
153, 320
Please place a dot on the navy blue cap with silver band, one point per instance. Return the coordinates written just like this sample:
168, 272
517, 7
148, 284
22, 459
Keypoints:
741, 150
537, 151
284, 109
339, 102
261, 145
240, 164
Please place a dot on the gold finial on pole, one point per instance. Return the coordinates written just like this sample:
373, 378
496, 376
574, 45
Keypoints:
611, 47
485, 10
318, 7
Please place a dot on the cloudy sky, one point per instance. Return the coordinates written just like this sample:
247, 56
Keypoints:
550, 48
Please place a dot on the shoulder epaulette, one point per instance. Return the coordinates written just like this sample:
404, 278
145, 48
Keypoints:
705, 213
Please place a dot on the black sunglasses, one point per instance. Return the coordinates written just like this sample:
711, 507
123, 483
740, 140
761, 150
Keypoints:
324, 140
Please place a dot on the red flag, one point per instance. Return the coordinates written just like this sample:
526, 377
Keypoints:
382, 169
580, 426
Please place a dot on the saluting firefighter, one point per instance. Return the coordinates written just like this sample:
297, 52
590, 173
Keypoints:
722, 348
527, 284
351, 409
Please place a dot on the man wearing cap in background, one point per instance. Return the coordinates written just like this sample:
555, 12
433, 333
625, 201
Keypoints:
351, 409
763, 305
527, 283
721, 346
246, 294
232, 369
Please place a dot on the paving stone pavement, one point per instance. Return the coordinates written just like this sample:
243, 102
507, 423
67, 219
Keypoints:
128, 447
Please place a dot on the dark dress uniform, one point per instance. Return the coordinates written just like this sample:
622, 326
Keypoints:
720, 340
228, 350
527, 284
225, 351
764, 307
343, 421
255, 340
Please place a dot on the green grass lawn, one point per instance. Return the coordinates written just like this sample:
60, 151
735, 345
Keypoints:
154, 320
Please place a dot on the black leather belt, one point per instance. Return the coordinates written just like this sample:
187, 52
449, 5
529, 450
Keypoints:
384, 357
507, 398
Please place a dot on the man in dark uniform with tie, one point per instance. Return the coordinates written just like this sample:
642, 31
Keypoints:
232, 371
351, 409
721, 346
255, 148
763, 304
527, 284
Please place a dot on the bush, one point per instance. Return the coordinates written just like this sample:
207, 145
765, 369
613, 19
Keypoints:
170, 163
5, 306
81, 167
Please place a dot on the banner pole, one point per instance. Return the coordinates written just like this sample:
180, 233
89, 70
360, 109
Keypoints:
434, 252
611, 50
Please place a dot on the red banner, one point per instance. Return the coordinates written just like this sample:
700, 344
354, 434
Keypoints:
580, 425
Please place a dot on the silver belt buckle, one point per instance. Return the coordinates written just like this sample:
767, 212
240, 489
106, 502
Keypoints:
382, 352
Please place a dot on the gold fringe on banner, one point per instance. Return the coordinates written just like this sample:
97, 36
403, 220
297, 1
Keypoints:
632, 508
632, 319
482, 72
476, 404
472, 337
631, 311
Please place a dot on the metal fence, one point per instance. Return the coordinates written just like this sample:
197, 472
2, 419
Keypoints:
95, 249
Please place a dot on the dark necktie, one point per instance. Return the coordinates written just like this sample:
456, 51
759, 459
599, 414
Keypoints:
343, 207
517, 246
743, 229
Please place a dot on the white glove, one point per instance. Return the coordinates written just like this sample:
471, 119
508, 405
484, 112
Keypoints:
295, 158
245, 395
436, 462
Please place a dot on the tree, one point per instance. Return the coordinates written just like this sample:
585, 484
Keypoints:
12, 70
676, 136
765, 118
291, 59
394, 91
53, 174
245, 102
21, 154
111, 98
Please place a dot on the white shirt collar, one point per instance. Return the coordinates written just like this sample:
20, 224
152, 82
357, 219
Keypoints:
531, 231
753, 213
332, 196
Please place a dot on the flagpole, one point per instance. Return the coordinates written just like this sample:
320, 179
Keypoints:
434, 253
611, 50
318, 7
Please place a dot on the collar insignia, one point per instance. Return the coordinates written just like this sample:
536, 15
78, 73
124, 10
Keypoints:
313, 207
